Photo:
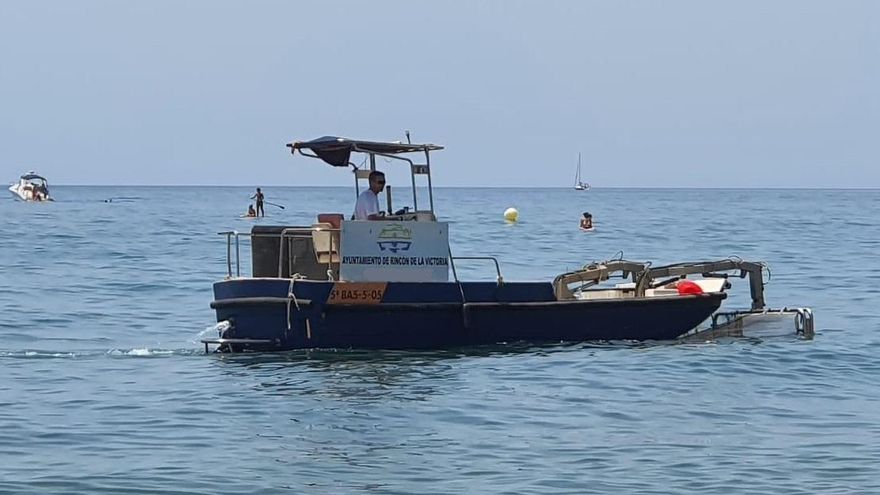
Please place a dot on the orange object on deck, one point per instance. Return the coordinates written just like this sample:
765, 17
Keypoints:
334, 219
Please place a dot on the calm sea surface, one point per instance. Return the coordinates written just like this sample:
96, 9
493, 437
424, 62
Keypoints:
105, 388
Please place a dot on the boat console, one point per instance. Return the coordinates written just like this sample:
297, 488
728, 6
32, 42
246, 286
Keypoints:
416, 216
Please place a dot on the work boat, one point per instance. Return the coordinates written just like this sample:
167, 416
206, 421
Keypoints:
31, 187
393, 284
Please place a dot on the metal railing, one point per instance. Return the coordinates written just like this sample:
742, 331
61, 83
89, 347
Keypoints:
285, 235
229, 236
803, 319
281, 237
298, 233
498, 278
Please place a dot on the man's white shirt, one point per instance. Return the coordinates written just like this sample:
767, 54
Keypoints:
367, 204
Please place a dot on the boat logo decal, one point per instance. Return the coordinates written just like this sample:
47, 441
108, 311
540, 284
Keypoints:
394, 238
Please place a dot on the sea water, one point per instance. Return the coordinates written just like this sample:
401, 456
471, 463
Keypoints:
106, 389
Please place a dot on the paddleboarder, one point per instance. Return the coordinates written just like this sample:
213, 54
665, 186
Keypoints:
260, 198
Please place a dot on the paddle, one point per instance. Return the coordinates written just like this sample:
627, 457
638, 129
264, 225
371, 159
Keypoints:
273, 204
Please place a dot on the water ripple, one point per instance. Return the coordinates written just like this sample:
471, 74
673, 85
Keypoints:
102, 362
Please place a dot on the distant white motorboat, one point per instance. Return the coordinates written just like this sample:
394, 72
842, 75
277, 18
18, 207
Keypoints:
31, 187
580, 185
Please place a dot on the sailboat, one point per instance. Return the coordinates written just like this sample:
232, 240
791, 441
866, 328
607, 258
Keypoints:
580, 185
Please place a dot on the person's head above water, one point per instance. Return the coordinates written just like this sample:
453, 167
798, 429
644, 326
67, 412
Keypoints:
587, 221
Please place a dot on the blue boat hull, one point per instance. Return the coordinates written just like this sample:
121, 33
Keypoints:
275, 314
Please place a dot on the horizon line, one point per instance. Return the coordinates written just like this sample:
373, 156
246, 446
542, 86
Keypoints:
778, 188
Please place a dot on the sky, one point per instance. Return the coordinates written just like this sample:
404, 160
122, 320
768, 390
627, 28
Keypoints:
652, 94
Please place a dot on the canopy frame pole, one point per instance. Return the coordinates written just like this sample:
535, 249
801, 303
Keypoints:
412, 176
430, 186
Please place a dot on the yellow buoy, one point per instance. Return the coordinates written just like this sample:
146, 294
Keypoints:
511, 215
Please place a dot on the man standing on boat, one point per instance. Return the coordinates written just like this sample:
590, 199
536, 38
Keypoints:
259, 197
367, 207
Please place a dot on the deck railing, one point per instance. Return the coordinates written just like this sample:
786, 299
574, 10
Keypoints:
233, 258
233, 250
230, 235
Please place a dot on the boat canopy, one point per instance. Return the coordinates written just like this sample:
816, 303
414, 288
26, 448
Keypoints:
337, 150
32, 176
